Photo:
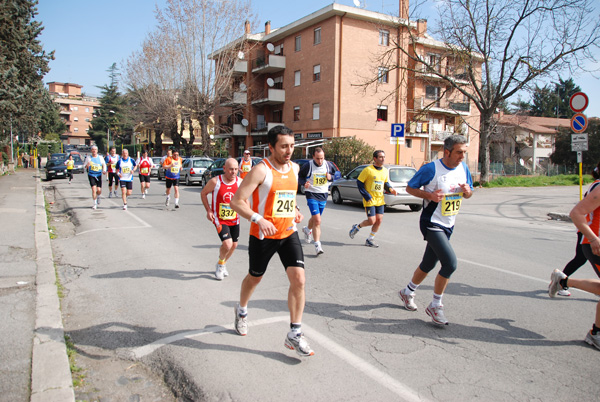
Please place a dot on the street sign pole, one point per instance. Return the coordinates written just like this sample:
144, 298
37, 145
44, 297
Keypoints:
579, 142
398, 136
580, 162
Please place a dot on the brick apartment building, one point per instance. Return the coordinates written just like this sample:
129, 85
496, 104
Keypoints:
307, 75
76, 111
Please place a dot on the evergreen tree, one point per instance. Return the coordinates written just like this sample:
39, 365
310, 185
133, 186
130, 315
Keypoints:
112, 113
23, 63
553, 100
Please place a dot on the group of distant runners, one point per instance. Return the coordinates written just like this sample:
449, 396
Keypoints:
265, 194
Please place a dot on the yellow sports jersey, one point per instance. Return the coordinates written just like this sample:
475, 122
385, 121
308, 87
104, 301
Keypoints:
374, 181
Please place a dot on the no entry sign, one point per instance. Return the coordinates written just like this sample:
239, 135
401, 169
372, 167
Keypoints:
578, 102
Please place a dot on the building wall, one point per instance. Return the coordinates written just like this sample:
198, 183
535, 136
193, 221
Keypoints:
347, 57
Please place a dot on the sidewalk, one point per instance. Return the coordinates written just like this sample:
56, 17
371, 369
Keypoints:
35, 366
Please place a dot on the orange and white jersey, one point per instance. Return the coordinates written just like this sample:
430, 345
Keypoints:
245, 167
275, 200
593, 218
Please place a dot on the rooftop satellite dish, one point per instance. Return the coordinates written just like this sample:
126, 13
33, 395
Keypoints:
270, 47
243, 87
244, 122
356, 3
241, 55
270, 82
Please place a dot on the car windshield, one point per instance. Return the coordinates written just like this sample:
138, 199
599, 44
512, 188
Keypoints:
401, 175
201, 163
77, 158
156, 161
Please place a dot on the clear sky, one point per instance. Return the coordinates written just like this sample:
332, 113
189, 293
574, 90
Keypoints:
89, 36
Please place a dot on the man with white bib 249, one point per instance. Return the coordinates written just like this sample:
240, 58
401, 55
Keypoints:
442, 184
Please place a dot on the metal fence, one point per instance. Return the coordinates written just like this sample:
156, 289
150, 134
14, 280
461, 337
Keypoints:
516, 169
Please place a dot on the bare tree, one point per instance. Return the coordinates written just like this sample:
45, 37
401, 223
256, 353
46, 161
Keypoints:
152, 78
504, 46
189, 31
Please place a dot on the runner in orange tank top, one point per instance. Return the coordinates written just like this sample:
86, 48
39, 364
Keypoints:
585, 217
271, 186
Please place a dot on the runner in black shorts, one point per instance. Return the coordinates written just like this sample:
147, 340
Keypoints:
219, 212
272, 184
260, 253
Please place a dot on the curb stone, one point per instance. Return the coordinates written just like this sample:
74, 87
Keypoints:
50, 372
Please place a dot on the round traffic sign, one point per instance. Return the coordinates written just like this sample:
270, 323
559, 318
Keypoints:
579, 123
578, 102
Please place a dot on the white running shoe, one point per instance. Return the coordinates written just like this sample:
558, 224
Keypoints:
144, 196
219, 272
437, 314
593, 340
146, 192
308, 237
554, 286
115, 193
318, 249
94, 207
225, 272
299, 344
167, 202
354, 230
125, 207
241, 323
370, 243
109, 194
563, 292
408, 299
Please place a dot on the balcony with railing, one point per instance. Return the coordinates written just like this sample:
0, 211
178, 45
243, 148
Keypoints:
237, 98
262, 127
272, 96
268, 64
443, 106
240, 67
459, 74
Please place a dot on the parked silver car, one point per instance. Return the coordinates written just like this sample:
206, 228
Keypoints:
154, 171
346, 188
193, 168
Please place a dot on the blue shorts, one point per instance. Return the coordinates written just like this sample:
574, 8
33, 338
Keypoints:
375, 210
316, 207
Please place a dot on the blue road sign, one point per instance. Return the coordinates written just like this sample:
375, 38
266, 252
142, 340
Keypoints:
579, 123
398, 130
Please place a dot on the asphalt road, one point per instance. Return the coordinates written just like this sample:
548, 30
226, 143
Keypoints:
140, 283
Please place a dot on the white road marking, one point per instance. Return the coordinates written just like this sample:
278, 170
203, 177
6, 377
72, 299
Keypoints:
144, 224
365, 367
151, 347
533, 278
359, 364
